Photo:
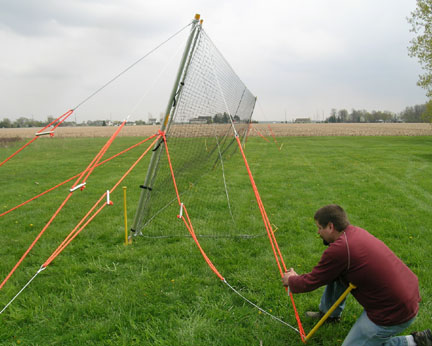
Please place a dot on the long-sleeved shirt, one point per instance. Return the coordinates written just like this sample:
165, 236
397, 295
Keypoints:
386, 288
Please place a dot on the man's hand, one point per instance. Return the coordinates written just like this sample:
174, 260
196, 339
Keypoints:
287, 275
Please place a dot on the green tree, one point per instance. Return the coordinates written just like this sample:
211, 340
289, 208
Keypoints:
427, 114
221, 118
357, 116
421, 45
5, 123
413, 114
343, 115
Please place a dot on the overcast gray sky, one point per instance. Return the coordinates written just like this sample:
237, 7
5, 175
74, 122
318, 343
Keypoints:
300, 57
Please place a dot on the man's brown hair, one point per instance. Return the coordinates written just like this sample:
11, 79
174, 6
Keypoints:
332, 213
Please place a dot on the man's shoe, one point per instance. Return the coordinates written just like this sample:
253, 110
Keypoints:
423, 338
317, 315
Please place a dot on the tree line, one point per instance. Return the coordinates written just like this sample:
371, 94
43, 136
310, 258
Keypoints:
414, 114
26, 122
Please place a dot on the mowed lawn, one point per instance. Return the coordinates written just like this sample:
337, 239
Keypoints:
159, 290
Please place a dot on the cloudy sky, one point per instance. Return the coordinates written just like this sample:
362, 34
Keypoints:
300, 57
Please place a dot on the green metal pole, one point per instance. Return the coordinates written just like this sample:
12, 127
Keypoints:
154, 161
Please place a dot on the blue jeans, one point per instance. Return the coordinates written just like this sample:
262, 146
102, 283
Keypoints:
364, 331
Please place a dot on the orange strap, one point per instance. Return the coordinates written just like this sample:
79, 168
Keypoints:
272, 238
54, 215
101, 153
260, 134
36, 240
60, 119
188, 222
66, 181
87, 218
272, 134
189, 226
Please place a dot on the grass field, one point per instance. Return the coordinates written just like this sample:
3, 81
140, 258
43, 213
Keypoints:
159, 290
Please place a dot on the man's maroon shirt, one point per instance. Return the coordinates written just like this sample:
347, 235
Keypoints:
386, 288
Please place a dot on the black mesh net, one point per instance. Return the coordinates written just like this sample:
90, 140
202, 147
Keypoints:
213, 105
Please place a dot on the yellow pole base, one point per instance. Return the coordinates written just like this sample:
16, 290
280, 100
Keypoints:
127, 241
328, 313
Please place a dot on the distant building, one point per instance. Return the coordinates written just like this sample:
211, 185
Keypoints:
302, 120
201, 120
152, 121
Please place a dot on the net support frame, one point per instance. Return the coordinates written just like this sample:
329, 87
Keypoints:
154, 160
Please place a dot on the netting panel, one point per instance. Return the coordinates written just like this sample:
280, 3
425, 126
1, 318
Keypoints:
200, 138
212, 89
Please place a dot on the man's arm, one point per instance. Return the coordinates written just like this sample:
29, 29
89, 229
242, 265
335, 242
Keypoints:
331, 265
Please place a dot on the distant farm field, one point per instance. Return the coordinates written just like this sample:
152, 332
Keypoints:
278, 130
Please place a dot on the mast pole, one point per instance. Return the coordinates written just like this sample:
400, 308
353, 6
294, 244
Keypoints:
154, 161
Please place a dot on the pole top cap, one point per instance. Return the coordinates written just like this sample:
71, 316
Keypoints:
197, 16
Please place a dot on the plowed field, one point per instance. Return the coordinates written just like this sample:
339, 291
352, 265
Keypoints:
278, 130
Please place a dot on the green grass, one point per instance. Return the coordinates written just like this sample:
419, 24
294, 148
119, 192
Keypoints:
161, 291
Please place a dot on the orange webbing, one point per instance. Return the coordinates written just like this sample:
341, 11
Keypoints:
61, 118
16, 152
189, 226
101, 153
60, 184
188, 222
37, 196
272, 134
35, 241
272, 238
72, 236
52, 218
270, 233
247, 133
259, 133
78, 228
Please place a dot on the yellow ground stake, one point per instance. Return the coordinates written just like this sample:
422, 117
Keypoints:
125, 217
327, 314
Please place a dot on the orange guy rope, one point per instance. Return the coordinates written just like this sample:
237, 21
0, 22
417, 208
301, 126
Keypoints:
64, 182
77, 230
188, 223
44, 228
64, 116
53, 217
73, 235
260, 134
35, 241
192, 232
272, 134
270, 234
189, 226
103, 150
